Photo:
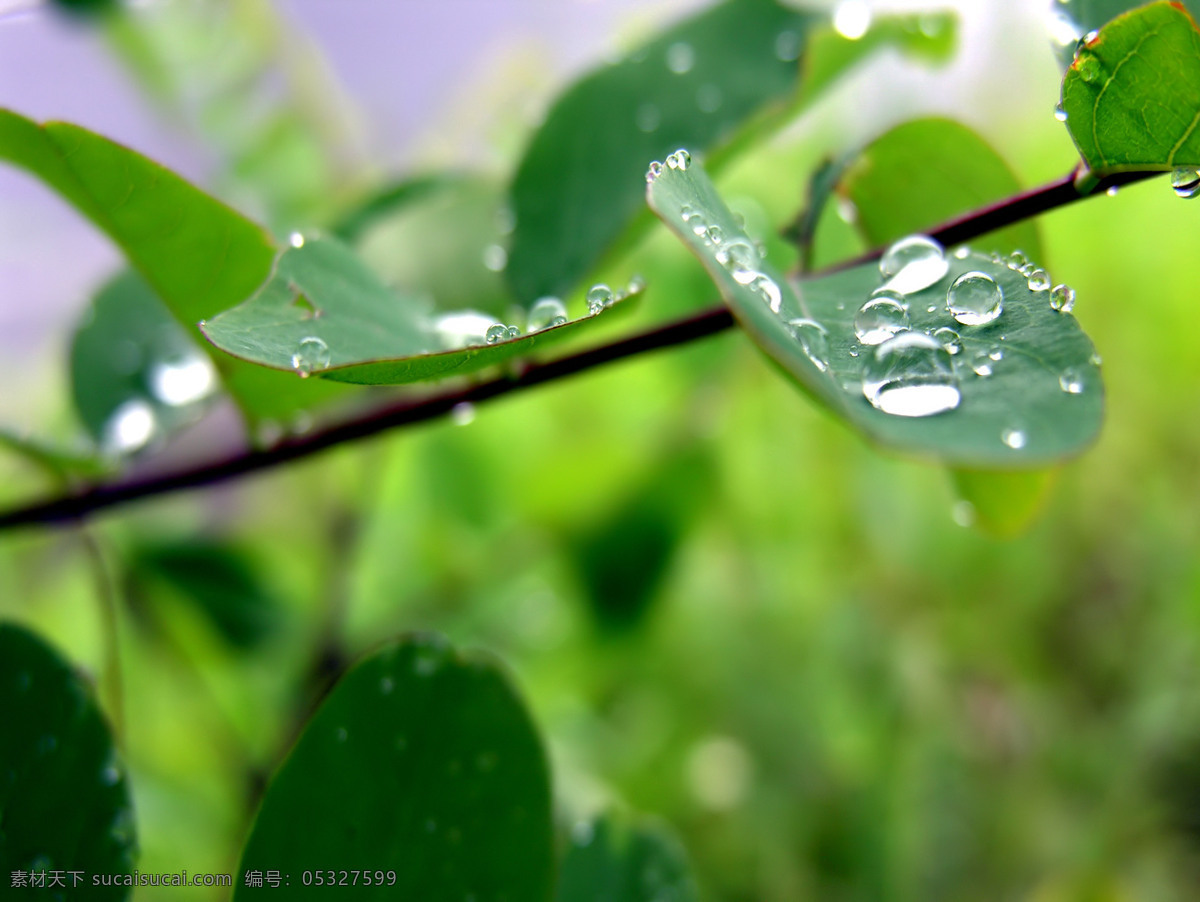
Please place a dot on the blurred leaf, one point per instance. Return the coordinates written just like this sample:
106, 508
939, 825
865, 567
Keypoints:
217, 578
86, 7
130, 361
1020, 416
1004, 503
58, 462
623, 558
423, 762
821, 186
1132, 95
199, 255
1071, 20
385, 202
728, 73
324, 312
609, 861
64, 797
925, 172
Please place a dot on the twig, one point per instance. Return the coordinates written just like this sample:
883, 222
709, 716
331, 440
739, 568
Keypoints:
716, 319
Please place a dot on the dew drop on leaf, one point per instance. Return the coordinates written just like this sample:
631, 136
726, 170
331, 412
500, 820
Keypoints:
545, 313
813, 339
975, 299
1062, 298
599, 297
950, 340
1038, 279
1186, 182
883, 315
912, 264
911, 375
311, 354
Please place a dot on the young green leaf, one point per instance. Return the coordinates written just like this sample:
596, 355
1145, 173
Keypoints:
708, 83
421, 769
629, 862
59, 462
1071, 20
323, 312
64, 796
199, 255
1016, 390
1132, 94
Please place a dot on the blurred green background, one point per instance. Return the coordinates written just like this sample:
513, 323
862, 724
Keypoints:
721, 606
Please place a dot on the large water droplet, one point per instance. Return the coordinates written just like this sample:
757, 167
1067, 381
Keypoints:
1062, 298
1186, 182
913, 264
311, 354
813, 339
681, 57
884, 315
911, 375
545, 313
975, 299
852, 18
599, 297
497, 332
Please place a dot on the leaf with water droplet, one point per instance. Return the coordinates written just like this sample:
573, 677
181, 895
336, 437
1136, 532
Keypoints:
370, 793
1037, 344
1071, 20
70, 803
199, 255
1132, 95
614, 858
576, 192
371, 334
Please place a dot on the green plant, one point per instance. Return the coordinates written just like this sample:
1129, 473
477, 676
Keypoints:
411, 768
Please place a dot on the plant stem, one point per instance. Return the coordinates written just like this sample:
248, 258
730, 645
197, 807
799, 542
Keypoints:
68, 508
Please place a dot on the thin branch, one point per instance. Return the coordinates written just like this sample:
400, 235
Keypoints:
1059, 193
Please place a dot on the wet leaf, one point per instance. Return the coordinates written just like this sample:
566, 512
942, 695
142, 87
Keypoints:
199, 255
707, 84
421, 762
323, 312
631, 862
1019, 416
1132, 95
1070, 20
64, 796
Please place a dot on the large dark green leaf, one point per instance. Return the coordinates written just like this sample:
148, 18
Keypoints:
64, 798
1040, 402
323, 312
1132, 95
613, 861
927, 171
199, 255
729, 71
1071, 20
423, 764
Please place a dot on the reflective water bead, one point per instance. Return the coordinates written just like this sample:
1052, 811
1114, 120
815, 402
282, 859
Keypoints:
1089, 67
1186, 182
961, 253
462, 329
741, 259
910, 375
1062, 298
599, 297
1016, 260
496, 332
1072, 381
1014, 438
654, 171
311, 354
765, 286
883, 315
975, 299
680, 160
981, 364
950, 340
913, 263
546, 312
715, 234
512, 332
1038, 279
813, 339
1059, 113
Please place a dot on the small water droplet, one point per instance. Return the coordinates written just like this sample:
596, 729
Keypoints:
708, 98
680, 160
883, 315
387, 685
813, 339
961, 253
296, 239
647, 118
1014, 438
1185, 182
911, 375
545, 313
1062, 298
681, 57
715, 234
1038, 279
496, 332
996, 355
1059, 113
311, 354
1016, 260
1072, 380
340, 734
975, 299
787, 46
913, 264
765, 287
462, 329
950, 340
654, 170
1095, 359
1089, 67
495, 257
981, 364
852, 19
599, 297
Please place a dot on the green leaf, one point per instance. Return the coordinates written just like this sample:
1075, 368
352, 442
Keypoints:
60, 463
324, 312
612, 860
1132, 95
421, 763
64, 796
1070, 20
217, 578
385, 202
710, 84
199, 255
135, 374
1022, 401
925, 172
1003, 503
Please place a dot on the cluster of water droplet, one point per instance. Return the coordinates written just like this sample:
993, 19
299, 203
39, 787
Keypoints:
740, 257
